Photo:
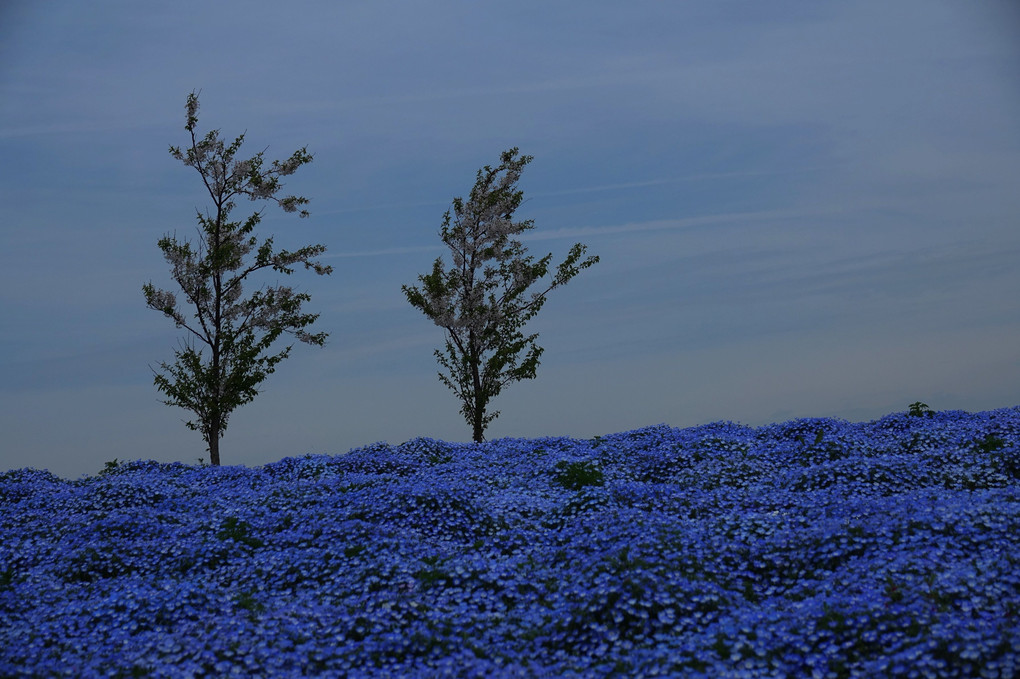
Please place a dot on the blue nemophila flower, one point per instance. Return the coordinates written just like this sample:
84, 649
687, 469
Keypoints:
816, 547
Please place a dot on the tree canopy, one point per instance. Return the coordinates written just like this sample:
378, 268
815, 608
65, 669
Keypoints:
484, 300
227, 352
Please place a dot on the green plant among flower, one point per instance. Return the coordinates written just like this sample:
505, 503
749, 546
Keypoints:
577, 475
433, 574
6, 578
110, 465
1005, 459
249, 602
238, 531
918, 409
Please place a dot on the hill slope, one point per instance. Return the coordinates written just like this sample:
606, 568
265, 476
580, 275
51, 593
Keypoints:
888, 548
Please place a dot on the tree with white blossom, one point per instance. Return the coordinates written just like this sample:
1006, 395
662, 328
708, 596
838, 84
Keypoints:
483, 301
238, 331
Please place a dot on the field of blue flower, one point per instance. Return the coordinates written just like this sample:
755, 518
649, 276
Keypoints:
810, 548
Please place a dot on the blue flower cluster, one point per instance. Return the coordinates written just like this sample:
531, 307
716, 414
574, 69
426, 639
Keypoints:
812, 548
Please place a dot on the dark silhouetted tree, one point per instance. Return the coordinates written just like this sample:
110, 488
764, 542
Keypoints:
227, 353
483, 300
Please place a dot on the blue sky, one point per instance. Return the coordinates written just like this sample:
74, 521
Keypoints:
802, 210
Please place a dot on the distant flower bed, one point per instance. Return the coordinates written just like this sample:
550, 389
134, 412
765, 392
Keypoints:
810, 548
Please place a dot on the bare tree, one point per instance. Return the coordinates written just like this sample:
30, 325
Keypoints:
483, 301
237, 331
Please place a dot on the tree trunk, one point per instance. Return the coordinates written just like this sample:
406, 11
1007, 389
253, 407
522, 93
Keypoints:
214, 449
212, 439
478, 412
216, 418
477, 425
213, 431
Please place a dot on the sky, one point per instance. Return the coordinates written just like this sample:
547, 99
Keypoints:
802, 209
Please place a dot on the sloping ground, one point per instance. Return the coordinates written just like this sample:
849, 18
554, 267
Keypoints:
810, 548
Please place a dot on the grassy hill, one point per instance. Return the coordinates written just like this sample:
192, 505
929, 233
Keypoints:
815, 547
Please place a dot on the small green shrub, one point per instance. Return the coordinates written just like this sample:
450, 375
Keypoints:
352, 551
989, 444
110, 465
1005, 459
918, 409
234, 529
577, 475
91, 564
6, 578
248, 601
433, 574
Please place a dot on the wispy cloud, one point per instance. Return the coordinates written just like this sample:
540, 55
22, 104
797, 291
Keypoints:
667, 181
679, 223
629, 227
384, 252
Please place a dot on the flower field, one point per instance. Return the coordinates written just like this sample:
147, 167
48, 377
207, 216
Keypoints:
812, 548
